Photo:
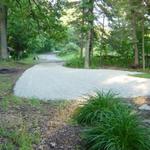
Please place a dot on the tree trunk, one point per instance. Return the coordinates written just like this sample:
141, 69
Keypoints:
89, 47
82, 35
91, 42
3, 33
91, 22
102, 39
143, 45
134, 38
82, 45
87, 51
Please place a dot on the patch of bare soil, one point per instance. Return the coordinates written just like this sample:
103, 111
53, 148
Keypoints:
49, 120
65, 138
60, 135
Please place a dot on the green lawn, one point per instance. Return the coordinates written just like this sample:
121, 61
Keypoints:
143, 75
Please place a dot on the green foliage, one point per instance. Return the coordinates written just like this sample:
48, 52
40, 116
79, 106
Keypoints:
119, 130
72, 47
34, 27
111, 125
68, 50
75, 62
96, 108
21, 139
10, 100
41, 44
143, 75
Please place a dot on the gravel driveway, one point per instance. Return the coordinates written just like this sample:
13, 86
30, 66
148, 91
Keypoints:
51, 81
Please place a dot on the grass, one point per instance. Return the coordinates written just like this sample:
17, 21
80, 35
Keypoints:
7, 83
120, 130
21, 139
111, 125
17, 137
25, 63
74, 61
96, 107
11, 100
143, 75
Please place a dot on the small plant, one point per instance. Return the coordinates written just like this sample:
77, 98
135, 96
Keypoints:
96, 108
21, 138
119, 130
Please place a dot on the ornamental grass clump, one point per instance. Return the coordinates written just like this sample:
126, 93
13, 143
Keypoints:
96, 108
111, 124
120, 130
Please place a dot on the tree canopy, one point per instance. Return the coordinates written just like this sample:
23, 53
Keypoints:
106, 29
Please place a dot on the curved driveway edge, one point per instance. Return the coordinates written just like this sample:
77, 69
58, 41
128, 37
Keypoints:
52, 81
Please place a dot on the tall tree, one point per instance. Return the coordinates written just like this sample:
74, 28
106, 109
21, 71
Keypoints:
133, 19
90, 28
3, 31
82, 31
37, 17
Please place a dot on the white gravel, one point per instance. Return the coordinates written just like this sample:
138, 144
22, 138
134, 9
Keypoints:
52, 81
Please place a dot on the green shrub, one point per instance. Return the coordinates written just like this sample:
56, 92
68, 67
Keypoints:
97, 61
75, 62
96, 108
119, 130
72, 47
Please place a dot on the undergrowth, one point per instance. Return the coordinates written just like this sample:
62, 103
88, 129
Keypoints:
21, 139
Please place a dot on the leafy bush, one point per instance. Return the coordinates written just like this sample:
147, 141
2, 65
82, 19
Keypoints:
40, 44
72, 47
75, 62
97, 61
120, 130
96, 108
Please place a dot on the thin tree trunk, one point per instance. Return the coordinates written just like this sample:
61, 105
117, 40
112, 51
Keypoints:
134, 38
102, 38
91, 23
143, 45
82, 35
82, 45
91, 42
89, 46
3, 33
87, 53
